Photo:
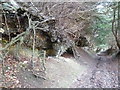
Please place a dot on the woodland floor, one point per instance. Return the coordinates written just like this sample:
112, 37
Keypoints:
62, 72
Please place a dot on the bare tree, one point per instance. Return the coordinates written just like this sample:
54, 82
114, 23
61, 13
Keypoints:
116, 24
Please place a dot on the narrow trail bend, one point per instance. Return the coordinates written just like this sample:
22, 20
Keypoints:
66, 72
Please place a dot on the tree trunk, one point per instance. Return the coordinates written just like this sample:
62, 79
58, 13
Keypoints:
118, 29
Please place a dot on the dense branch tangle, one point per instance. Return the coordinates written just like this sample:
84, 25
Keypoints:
43, 33
23, 25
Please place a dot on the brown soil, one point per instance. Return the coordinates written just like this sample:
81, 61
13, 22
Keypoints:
63, 72
103, 75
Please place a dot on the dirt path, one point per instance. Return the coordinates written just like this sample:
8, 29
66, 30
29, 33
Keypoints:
66, 72
104, 75
86, 73
60, 73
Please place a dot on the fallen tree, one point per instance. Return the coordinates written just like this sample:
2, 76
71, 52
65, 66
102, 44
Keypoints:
39, 30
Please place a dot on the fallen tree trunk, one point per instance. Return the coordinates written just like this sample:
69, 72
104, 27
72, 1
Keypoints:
43, 33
